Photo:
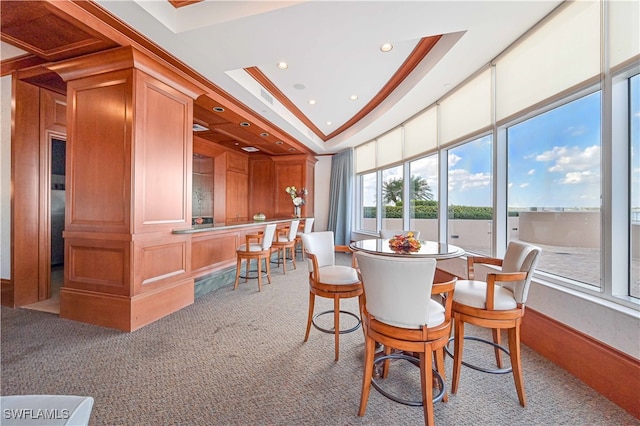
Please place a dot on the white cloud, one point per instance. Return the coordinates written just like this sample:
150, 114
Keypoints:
530, 172
462, 180
524, 185
575, 131
573, 178
570, 159
453, 159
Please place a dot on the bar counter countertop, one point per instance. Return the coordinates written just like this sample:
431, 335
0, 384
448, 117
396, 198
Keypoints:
221, 226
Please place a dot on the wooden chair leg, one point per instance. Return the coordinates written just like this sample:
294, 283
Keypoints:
312, 301
385, 364
426, 383
439, 357
369, 349
336, 324
497, 341
516, 365
267, 262
259, 262
293, 256
458, 346
283, 250
238, 266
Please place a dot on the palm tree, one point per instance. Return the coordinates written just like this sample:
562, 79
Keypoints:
392, 190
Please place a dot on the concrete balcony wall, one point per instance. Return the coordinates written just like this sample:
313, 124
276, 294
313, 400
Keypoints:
564, 229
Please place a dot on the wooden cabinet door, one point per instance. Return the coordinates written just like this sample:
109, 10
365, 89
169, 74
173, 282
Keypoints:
237, 191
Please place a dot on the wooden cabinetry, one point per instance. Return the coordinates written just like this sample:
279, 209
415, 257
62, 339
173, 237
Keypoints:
237, 196
129, 179
39, 117
298, 171
261, 186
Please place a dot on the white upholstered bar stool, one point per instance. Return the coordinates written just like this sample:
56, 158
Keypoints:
326, 279
497, 303
286, 242
259, 250
308, 226
401, 314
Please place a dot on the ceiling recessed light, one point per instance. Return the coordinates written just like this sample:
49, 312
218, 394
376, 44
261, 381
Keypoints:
292, 149
250, 149
386, 47
218, 109
312, 101
199, 128
329, 123
279, 142
353, 97
264, 134
283, 65
299, 86
245, 124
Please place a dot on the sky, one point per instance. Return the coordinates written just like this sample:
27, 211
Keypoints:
553, 161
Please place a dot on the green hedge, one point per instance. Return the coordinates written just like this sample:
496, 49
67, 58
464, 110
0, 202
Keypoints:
429, 210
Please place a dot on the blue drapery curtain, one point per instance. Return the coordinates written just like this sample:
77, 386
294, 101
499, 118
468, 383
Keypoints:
340, 196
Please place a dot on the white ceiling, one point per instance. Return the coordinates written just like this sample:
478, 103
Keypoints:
332, 48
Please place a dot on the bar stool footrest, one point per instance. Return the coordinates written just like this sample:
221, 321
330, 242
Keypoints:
252, 274
325, 330
477, 368
415, 361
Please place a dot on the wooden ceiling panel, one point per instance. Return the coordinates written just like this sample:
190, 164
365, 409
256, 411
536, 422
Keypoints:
52, 31
57, 38
226, 130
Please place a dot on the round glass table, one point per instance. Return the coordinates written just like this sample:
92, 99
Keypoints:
431, 249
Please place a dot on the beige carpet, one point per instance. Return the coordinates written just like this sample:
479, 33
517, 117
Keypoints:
237, 358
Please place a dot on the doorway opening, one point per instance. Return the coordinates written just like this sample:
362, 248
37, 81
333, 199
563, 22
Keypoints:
57, 212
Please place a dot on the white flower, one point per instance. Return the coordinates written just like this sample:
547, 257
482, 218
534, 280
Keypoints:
298, 201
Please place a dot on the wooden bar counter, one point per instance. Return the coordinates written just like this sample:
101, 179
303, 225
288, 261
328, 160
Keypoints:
213, 250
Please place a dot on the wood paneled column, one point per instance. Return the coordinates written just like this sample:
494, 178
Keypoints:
129, 164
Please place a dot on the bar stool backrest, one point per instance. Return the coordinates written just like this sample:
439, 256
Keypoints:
267, 239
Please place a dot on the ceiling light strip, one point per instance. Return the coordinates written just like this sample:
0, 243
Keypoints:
421, 50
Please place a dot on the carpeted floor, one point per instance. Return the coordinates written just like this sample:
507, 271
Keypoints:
237, 357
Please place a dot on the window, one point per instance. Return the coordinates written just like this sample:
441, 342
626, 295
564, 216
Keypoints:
368, 213
559, 166
392, 197
469, 181
423, 193
554, 187
634, 119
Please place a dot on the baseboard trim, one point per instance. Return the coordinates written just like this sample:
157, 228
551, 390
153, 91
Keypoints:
6, 293
610, 372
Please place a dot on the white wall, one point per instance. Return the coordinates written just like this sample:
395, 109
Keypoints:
321, 200
5, 177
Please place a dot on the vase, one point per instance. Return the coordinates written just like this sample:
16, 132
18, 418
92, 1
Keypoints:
296, 211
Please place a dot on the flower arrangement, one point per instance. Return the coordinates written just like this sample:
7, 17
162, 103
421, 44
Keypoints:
296, 195
402, 243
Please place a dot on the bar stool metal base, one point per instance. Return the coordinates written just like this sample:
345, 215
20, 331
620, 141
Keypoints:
477, 368
253, 275
325, 330
415, 361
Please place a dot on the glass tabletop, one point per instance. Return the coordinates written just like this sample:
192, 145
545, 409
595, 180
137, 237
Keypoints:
431, 249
